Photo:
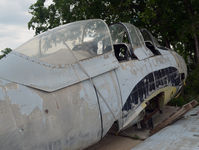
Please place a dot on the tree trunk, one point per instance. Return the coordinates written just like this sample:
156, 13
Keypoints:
196, 48
191, 13
167, 43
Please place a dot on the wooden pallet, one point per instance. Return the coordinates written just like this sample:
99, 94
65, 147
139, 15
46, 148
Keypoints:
174, 117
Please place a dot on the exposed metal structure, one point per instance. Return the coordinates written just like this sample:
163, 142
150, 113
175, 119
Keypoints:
66, 87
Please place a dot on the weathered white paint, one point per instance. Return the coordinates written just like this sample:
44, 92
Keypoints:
135, 69
180, 62
3, 82
142, 54
182, 135
56, 106
49, 77
107, 86
32, 119
25, 98
2, 94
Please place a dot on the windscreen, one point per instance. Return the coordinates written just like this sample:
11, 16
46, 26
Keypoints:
149, 37
62, 45
135, 35
119, 34
146, 36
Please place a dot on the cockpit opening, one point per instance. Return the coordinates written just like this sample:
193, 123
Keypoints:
149, 41
121, 52
121, 42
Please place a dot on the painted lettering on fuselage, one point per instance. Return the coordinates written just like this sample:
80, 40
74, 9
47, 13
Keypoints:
150, 83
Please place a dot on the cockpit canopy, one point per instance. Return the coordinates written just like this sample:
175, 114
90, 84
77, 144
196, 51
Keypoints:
81, 40
69, 43
126, 34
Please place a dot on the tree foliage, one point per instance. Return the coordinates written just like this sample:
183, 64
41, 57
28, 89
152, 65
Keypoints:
174, 23
177, 23
65, 11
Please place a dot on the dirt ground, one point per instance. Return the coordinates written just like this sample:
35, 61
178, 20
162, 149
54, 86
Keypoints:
112, 142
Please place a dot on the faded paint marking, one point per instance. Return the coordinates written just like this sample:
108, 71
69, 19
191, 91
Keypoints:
153, 81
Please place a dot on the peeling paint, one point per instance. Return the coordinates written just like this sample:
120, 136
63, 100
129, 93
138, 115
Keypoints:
48, 107
25, 98
52, 79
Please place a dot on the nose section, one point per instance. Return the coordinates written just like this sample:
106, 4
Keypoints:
182, 68
181, 65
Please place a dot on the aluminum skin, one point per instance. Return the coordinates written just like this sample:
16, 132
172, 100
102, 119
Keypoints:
46, 106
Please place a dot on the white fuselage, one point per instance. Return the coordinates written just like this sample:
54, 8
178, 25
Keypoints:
49, 107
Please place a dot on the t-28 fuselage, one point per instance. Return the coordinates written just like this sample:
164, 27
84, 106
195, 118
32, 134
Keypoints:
65, 88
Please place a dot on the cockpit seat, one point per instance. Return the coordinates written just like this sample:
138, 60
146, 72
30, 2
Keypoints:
121, 51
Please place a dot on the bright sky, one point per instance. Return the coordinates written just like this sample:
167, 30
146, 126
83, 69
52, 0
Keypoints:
14, 18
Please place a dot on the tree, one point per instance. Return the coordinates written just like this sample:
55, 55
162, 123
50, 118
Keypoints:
176, 23
65, 11
192, 10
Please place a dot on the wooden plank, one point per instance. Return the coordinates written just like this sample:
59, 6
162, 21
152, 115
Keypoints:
175, 116
181, 135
